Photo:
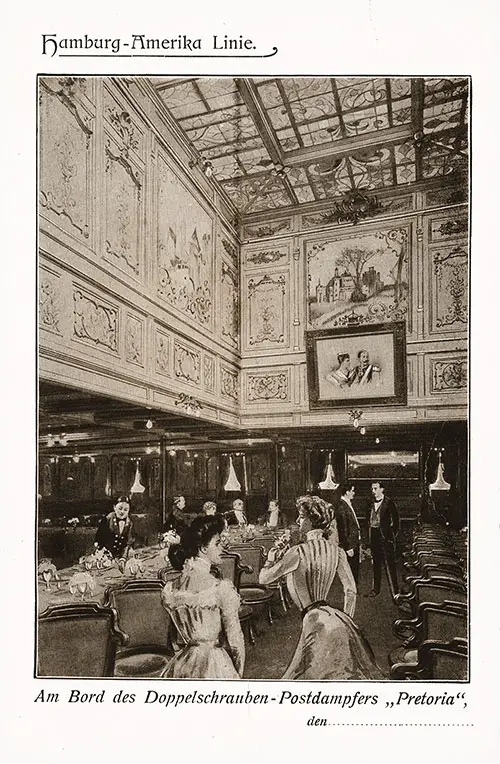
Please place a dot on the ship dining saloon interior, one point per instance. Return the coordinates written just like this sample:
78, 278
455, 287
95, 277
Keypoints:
255, 290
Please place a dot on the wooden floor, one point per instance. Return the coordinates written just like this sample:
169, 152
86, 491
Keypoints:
274, 648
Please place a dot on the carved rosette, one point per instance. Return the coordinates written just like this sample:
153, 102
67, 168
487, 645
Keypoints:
49, 307
267, 387
229, 383
133, 341
267, 311
162, 354
209, 373
65, 152
95, 322
449, 376
230, 306
187, 364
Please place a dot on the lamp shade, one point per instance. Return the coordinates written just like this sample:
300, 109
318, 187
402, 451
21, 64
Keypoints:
232, 483
329, 484
137, 486
440, 483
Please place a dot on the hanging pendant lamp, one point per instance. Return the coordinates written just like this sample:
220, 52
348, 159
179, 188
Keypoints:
329, 484
440, 483
232, 482
137, 486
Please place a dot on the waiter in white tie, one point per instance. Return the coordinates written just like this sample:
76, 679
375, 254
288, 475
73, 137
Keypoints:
348, 528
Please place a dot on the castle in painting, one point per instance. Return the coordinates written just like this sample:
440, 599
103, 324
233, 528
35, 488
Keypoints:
341, 287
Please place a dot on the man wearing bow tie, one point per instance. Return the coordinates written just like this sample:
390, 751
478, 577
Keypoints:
383, 519
115, 531
348, 528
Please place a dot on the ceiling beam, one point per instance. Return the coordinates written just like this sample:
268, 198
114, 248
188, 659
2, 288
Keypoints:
417, 120
249, 93
386, 137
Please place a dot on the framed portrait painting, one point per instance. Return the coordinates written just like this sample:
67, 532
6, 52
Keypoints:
357, 365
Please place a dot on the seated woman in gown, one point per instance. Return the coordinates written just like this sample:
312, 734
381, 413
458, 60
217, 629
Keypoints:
204, 610
330, 645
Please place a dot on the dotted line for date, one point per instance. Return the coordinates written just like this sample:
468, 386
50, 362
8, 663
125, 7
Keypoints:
367, 724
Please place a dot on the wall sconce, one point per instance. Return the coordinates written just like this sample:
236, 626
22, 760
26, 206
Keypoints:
355, 415
440, 483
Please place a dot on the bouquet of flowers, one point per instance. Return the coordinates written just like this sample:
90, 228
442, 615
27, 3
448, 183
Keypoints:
280, 547
165, 540
101, 558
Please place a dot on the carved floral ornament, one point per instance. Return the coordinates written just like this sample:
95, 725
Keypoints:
451, 271
189, 404
68, 90
267, 387
187, 364
133, 341
265, 257
449, 375
122, 123
94, 321
229, 383
49, 310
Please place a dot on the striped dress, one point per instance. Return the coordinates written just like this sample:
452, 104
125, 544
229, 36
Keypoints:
330, 645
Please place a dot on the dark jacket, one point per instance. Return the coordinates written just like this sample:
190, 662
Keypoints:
108, 535
389, 519
348, 528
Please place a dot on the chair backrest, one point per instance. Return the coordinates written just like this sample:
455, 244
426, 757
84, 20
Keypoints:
266, 542
445, 660
168, 574
438, 592
442, 623
141, 614
229, 567
254, 557
78, 640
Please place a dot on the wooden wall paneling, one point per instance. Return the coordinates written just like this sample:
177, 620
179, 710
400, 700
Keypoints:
266, 311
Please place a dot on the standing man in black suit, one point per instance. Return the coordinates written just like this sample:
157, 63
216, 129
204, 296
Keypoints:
348, 528
383, 519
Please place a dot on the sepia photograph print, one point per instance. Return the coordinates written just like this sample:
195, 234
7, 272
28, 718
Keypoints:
253, 343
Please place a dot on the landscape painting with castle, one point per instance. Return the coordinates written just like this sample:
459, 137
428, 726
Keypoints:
365, 276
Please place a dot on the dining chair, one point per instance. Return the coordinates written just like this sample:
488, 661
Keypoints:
78, 640
143, 618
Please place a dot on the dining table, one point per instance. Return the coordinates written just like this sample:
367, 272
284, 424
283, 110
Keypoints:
54, 588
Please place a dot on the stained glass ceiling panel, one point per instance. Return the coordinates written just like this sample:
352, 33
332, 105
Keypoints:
277, 142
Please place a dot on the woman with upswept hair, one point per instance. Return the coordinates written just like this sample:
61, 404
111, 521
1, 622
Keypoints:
330, 645
203, 609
